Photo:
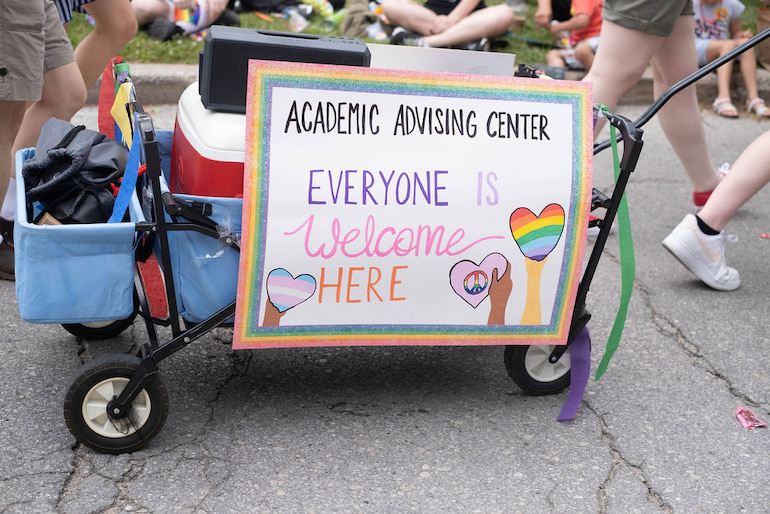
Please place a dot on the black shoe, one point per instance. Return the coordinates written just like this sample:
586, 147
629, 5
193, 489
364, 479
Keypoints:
401, 36
229, 18
7, 270
163, 29
238, 6
480, 45
555, 72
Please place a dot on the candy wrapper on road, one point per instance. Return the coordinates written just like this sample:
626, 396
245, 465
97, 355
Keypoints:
748, 419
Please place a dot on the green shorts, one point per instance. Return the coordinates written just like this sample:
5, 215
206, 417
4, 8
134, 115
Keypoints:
32, 41
656, 17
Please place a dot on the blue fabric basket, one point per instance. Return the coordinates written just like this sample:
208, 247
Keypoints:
205, 271
73, 273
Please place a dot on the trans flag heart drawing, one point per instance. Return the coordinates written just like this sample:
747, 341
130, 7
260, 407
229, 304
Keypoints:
471, 281
284, 291
537, 235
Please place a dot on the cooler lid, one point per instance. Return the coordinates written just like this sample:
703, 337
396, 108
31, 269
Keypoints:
218, 136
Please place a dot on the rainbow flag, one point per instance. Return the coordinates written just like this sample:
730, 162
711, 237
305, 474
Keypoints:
188, 15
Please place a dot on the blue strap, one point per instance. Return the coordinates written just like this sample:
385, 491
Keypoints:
128, 184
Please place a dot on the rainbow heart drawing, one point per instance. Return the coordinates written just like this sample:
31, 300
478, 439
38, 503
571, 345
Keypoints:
471, 281
284, 291
537, 236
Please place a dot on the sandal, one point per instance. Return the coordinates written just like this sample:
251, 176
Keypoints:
725, 108
758, 107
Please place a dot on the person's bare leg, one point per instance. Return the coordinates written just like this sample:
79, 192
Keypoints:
584, 54
714, 50
147, 11
554, 58
680, 117
410, 15
748, 66
749, 174
488, 22
64, 94
115, 27
615, 69
12, 114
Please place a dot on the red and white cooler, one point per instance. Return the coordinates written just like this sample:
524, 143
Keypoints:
208, 151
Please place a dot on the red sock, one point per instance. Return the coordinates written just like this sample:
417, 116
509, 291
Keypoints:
700, 198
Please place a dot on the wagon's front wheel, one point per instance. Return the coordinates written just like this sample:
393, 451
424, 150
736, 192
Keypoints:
99, 382
530, 369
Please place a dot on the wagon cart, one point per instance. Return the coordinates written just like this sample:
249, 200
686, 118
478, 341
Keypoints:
117, 403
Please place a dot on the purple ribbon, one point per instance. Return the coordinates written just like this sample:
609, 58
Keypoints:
580, 369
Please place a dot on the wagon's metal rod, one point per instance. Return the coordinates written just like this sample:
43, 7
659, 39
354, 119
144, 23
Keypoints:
196, 331
152, 156
120, 407
632, 148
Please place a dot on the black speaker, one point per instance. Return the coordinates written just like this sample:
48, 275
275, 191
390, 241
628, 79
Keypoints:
224, 62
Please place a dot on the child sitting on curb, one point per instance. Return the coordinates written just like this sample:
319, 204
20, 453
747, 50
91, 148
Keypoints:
718, 31
585, 27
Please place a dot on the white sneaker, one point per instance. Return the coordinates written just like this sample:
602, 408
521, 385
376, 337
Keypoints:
702, 254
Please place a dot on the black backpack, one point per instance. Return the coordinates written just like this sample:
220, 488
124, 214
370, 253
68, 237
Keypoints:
73, 173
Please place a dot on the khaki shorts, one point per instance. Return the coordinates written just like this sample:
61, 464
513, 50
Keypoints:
32, 41
656, 17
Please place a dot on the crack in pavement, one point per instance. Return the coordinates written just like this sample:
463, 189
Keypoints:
690, 348
239, 362
667, 328
83, 468
654, 497
123, 498
74, 479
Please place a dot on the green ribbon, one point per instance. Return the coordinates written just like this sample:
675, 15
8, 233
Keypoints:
627, 263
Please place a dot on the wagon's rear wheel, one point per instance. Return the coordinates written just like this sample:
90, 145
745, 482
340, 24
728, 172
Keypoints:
530, 369
102, 329
99, 329
99, 382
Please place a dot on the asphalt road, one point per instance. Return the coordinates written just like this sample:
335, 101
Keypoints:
437, 429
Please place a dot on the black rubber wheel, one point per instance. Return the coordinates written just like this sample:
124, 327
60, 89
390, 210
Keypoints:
99, 329
85, 406
102, 329
529, 369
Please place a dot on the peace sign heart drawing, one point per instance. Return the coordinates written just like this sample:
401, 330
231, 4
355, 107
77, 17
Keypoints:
471, 281
536, 237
